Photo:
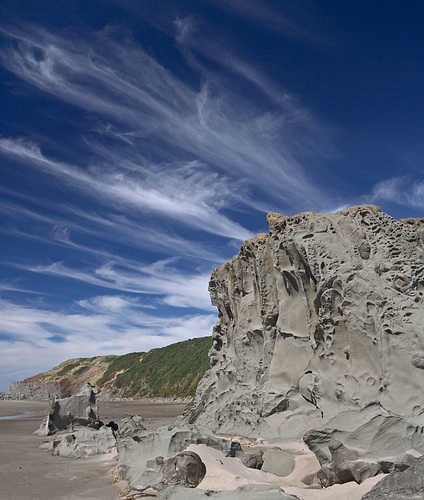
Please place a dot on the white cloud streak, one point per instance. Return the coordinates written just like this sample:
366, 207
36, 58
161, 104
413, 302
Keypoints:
405, 190
177, 288
165, 154
172, 200
27, 341
119, 81
59, 230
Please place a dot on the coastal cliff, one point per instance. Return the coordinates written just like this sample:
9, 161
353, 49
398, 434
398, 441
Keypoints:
320, 317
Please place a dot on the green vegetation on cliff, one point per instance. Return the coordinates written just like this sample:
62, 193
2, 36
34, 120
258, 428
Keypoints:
169, 371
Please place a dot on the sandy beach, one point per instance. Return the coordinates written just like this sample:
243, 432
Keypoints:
28, 473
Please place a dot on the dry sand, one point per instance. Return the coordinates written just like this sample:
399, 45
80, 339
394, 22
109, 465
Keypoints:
228, 473
28, 473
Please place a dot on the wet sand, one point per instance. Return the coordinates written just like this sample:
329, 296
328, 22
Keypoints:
28, 473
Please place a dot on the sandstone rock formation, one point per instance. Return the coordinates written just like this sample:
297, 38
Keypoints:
79, 409
131, 426
81, 443
74, 426
407, 485
346, 465
144, 455
322, 317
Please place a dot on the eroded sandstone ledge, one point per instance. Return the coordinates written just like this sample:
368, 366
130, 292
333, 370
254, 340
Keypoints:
321, 316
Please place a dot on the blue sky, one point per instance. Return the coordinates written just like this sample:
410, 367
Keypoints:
141, 142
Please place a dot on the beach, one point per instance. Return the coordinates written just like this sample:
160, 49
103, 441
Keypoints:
28, 473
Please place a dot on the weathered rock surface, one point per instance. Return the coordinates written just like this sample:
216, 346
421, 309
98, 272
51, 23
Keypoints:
246, 492
82, 443
374, 432
321, 316
252, 459
185, 468
79, 409
145, 455
346, 465
131, 426
407, 485
278, 462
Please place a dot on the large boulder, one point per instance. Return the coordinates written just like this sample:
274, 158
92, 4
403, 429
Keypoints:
145, 454
185, 468
321, 316
81, 443
77, 410
407, 485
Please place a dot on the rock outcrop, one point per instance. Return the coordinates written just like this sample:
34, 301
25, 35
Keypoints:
81, 443
407, 485
77, 410
74, 426
31, 390
150, 458
321, 317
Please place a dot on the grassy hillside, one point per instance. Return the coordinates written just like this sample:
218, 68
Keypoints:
165, 372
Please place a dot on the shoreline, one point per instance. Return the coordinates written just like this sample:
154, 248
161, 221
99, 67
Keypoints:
29, 473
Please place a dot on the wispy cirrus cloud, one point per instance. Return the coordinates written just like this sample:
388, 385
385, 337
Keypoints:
175, 287
15, 286
264, 13
190, 196
295, 126
403, 190
116, 79
68, 223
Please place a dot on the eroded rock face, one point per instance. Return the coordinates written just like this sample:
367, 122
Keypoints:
146, 456
131, 426
82, 443
77, 410
407, 485
322, 315
185, 468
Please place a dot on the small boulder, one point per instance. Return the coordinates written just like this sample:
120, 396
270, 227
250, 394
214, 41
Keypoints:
185, 468
131, 426
347, 465
278, 462
252, 459
327, 477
